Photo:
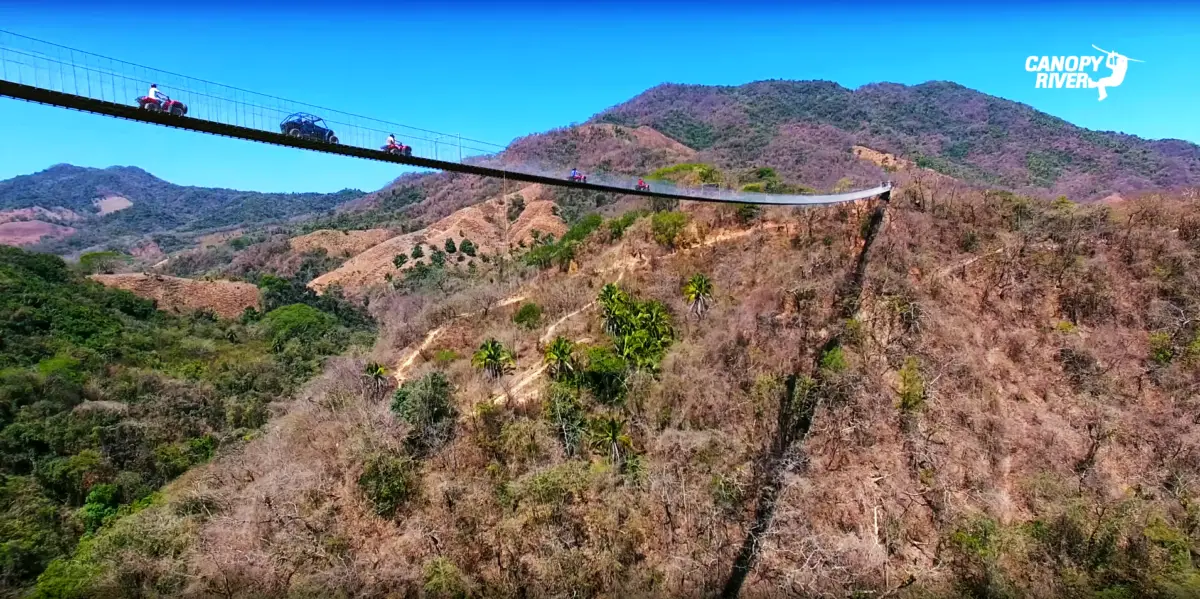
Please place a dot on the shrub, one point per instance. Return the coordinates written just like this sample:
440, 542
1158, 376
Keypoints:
399, 260
438, 259
912, 386
1161, 348
528, 315
567, 416
666, 227
604, 375
617, 226
748, 212
516, 208
969, 242
443, 580
834, 360
450, 247
467, 247
417, 252
389, 481
426, 404
443, 357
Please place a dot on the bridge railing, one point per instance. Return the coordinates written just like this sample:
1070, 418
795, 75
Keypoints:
58, 68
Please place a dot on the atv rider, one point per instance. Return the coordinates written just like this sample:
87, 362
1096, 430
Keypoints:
156, 95
391, 142
642, 184
574, 174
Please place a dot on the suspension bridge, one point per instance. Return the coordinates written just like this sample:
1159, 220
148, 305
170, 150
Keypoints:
46, 73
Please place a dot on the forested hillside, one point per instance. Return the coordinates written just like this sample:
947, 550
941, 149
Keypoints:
103, 398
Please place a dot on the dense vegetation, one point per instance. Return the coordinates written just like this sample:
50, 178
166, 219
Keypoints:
103, 398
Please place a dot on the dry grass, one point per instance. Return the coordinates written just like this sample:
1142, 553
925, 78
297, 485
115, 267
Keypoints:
1004, 431
227, 299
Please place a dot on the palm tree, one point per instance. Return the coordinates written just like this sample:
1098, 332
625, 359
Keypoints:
493, 358
559, 358
376, 373
608, 436
698, 293
616, 307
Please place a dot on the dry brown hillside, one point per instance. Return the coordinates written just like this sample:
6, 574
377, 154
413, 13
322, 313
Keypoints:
487, 225
996, 400
340, 243
227, 299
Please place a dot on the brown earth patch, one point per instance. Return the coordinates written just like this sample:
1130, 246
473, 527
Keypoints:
227, 299
147, 250
110, 204
31, 231
54, 215
881, 158
340, 243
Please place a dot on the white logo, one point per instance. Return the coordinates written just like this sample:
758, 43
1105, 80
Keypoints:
1071, 72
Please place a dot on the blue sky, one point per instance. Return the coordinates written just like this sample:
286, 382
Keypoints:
495, 74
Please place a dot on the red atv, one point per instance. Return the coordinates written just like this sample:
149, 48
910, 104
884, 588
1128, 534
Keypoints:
642, 185
174, 107
579, 177
398, 149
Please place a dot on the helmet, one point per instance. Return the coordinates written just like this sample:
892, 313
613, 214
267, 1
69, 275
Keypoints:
153, 85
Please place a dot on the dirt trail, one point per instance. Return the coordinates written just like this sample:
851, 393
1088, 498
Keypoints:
526, 380
402, 367
623, 266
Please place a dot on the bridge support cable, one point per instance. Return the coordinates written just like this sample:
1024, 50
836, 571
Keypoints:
46, 73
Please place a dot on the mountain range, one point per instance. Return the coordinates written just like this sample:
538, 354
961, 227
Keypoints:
812, 133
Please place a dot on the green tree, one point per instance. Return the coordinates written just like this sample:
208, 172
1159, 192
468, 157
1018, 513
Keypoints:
399, 261
297, 321
698, 293
417, 252
528, 315
426, 404
748, 212
493, 358
101, 262
666, 227
438, 258
389, 481
449, 245
467, 247
559, 358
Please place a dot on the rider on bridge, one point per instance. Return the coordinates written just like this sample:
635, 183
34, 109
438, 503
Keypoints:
392, 140
574, 173
154, 94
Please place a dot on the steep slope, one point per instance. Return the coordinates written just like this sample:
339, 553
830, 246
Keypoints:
1010, 413
487, 225
119, 202
340, 243
227, 299
806, 129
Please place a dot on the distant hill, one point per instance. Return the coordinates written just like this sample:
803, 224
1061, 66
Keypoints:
805, 129
106, 205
